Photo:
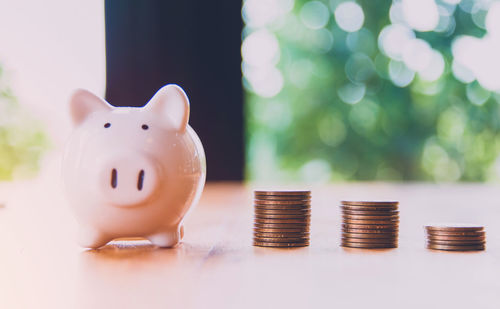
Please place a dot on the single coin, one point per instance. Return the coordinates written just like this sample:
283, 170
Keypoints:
369, 208
281, 239
282, 198
283, 207
282, 211
285, 193
456, 238
371, 213
369, 203
368, 246
294, 200
282, 221
370, 226
465, 234
370, 222
303, 226
370, 235
456, 243
301, 229
363, 217
279, 244
455, 248
370, 240
280, 235
369, 231
268, 216
295, 203
454, 227
282, 218
283, 227
283, 202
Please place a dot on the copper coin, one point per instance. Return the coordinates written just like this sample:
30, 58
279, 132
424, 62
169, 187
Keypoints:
285, 193
280, 234
296, 203
283, 207
456, 243
281, 239
368, 246
369, 208
371, 213
369, 231
268, 216
370, 226
282, 198
370, 240
370, 235
279, 245
282, 225
281, 230
282, 221
370, 222
362, 217
456, 234
455, 248
301, 229
257, 201
465, 234
257, 222
454, 227
283, 211
456, 238
370, 203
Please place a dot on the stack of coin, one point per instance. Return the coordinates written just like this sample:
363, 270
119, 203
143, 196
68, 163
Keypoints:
369, 225
456, 237
282, 218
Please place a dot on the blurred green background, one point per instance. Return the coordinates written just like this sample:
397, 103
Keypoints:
372, 90
22, 138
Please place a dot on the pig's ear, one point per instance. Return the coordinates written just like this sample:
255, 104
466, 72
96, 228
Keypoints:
171, 102
83, 103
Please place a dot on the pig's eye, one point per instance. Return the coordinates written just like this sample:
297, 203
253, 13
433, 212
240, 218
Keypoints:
145, 127
107, 125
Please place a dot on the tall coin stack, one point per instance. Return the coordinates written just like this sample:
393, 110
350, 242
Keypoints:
456, 237
282, 218
370, 225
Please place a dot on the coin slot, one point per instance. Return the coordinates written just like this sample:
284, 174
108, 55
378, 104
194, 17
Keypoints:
114, 178
140, 180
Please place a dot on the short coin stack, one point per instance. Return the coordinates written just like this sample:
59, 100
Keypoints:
456, 237
370, 225
282, 218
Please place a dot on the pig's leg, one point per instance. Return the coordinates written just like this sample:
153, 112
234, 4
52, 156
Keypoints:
167, 238
89, 237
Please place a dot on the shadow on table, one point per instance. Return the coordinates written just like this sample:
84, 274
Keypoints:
138, 251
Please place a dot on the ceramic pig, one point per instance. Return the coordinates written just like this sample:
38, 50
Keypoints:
132, 172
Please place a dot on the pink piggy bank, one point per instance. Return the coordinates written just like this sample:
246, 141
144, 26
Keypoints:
132, 172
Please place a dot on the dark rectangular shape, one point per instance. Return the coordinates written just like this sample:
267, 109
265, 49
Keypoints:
195, 44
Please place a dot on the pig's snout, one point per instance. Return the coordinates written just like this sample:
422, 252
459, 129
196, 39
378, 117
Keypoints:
128, 181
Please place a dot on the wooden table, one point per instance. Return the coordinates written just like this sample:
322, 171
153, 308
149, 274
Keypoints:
217, 267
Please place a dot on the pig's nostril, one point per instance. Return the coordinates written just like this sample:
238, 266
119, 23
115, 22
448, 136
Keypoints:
114, 178
140, 180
